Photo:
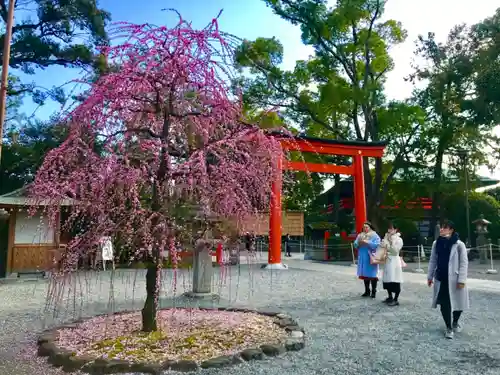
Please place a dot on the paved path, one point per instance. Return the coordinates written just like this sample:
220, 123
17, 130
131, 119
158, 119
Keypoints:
346, 333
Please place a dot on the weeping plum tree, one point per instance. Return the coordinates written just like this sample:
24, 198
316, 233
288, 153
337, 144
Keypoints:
173, 134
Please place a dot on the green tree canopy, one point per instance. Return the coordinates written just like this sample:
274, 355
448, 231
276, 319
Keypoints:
54, 33
339, 92
24, 151
461, 97
480, 204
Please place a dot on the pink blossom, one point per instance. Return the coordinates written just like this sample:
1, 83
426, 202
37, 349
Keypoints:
160, 132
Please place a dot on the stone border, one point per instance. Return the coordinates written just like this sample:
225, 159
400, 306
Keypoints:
60, 357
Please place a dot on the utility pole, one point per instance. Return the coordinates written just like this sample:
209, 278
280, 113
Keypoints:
5, 70
463, 158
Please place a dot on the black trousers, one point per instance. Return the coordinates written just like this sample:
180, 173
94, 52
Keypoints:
450, 317
367, 283
392, 287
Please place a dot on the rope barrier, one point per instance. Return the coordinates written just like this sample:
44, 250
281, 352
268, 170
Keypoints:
342, 252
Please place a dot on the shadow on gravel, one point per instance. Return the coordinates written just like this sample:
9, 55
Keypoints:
479, 359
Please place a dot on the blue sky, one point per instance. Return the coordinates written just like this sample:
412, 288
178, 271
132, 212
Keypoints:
244, 18
251, 19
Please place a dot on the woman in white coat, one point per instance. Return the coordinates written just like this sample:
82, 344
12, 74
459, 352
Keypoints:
393, 269
448, 268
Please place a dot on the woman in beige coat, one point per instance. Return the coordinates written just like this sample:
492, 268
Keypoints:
393, 268
448, 268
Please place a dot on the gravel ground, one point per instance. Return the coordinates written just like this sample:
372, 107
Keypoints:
346, 333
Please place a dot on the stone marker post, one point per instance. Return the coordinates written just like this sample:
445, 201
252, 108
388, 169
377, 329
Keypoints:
202, 260
202, 269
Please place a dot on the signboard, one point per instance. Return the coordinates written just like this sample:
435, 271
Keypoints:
292, 224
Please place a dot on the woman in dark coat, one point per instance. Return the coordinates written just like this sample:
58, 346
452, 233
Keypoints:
448, 267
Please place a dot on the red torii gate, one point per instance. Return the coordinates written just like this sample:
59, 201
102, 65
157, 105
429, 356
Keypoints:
355, 149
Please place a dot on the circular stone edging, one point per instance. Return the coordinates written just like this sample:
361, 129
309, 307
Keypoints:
61, 357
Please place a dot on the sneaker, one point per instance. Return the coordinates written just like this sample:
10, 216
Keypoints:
393, 303
448, 334
457, 327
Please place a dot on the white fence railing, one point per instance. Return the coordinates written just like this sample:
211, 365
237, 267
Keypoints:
416, 255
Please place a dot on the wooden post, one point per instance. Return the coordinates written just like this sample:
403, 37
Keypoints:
326, 237
57, 229
359, 192
218, 254
5, 70
11, 239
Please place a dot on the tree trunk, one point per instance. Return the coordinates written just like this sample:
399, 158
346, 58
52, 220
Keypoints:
368, 187
436, 196
374, 199
373, 189
149, 323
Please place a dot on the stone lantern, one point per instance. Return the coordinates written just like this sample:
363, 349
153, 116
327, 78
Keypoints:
481, 241
481, 224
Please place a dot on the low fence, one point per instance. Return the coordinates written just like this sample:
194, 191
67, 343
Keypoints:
413, 255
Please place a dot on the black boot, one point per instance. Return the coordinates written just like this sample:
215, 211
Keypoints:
367, 288
389, 298
397, 290
374, 288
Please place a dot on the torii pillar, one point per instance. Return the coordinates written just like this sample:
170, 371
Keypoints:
275, 229
359, 191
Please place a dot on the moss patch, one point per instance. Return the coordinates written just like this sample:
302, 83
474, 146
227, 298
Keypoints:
139, 346
188, 334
